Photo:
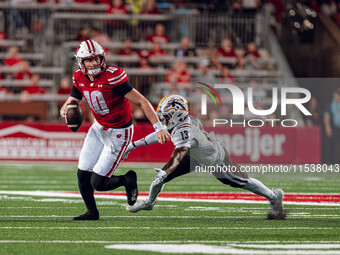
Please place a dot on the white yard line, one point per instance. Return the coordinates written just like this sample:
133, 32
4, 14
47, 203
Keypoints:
29, 164
174, 217
70, 195
109, 204
290, 246
135, 216
39, 207
36, 182
49, 187
209, 249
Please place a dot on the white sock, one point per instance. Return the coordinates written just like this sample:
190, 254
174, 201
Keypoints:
259, 188
154, 191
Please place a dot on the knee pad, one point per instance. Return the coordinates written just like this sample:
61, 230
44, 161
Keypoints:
85, 165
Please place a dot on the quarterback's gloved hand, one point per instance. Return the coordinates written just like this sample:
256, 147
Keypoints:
160, 176
130, 147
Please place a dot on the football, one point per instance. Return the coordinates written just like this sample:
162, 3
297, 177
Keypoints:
74, 116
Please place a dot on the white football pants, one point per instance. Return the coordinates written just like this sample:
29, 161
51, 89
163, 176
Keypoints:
104, 148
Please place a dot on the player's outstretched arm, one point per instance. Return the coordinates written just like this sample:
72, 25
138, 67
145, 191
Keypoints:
138, 99
63, 109
176, 158
149, 139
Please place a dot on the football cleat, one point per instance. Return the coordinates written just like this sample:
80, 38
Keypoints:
141, 205
131, 187
160, 176
88, 216
277, 206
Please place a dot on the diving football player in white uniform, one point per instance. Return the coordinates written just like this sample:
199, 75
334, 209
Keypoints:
195, 147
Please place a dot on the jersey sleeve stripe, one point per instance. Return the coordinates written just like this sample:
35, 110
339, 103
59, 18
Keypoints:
115, 82
115, 78
183, 125
180, 128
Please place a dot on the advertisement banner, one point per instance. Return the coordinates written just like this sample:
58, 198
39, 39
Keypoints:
55, 142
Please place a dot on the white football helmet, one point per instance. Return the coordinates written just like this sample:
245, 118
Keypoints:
172, 110
90, 49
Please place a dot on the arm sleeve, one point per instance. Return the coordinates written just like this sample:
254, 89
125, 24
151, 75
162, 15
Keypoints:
76, 93
149, 139
123, 89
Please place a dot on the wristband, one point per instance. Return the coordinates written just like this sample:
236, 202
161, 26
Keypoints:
158, 126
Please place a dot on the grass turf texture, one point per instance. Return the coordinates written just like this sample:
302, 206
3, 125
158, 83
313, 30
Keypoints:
46, 221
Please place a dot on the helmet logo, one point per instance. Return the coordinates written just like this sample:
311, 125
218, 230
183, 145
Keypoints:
176, 105
172, 110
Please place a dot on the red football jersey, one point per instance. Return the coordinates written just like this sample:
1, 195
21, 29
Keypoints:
110, 109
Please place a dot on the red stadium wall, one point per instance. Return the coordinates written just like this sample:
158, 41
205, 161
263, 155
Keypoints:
55, 142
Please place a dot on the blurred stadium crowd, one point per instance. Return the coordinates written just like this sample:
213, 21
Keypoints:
141, 37
165, 47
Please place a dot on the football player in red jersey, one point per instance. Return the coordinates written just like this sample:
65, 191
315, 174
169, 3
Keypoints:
108, 93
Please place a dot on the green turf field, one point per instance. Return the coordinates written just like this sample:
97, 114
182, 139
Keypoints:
42, 225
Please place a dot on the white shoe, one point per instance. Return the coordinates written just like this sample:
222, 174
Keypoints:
276, 205
141, 205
